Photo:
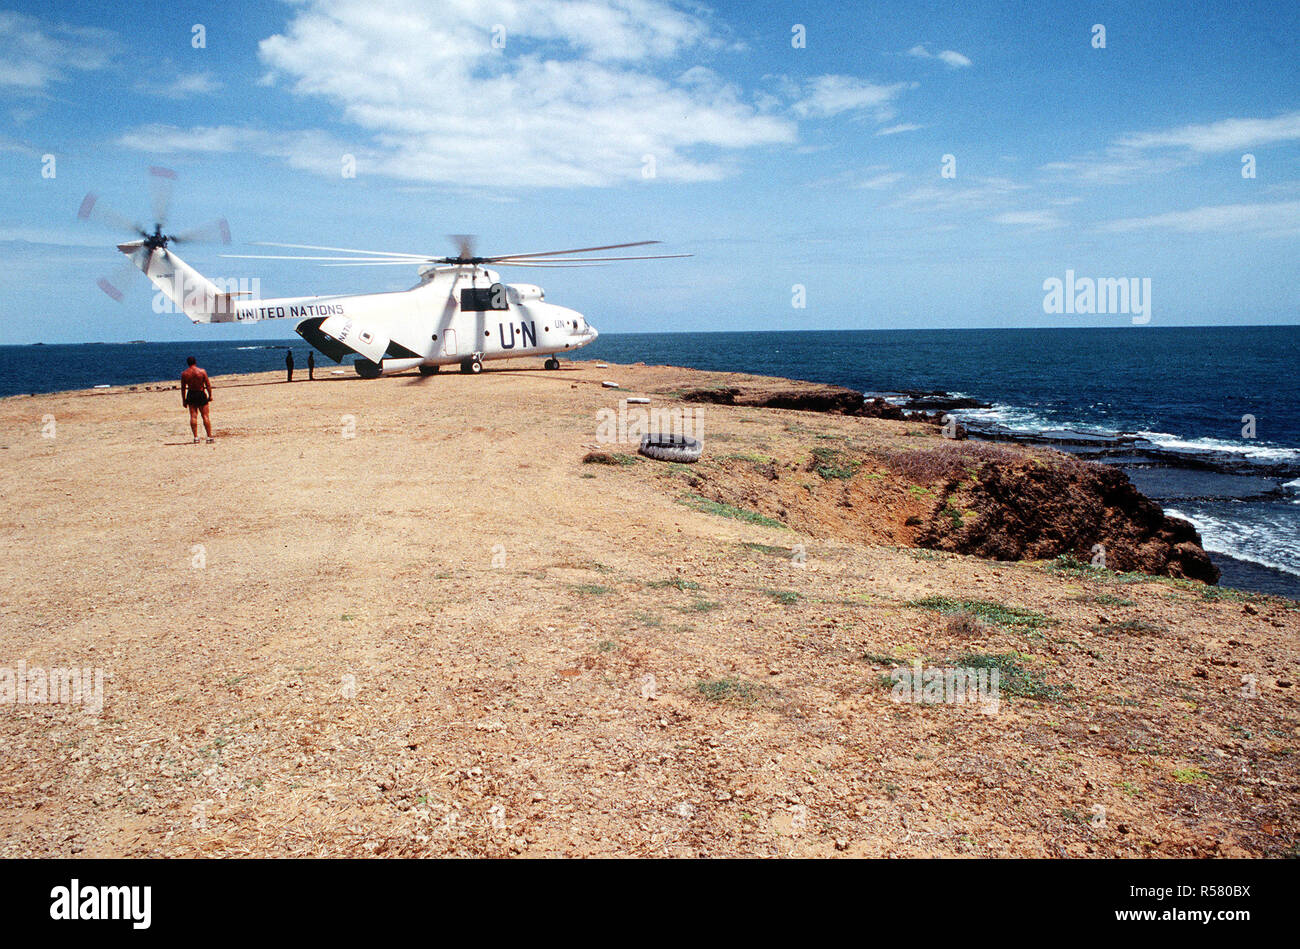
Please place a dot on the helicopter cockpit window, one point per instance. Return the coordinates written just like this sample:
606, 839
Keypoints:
478, 299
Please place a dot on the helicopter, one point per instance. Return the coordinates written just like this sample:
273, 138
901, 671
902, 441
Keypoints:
458, 314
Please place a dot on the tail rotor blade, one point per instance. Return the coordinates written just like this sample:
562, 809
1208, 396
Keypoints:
161, 182
95, 210
215, 232
118, 283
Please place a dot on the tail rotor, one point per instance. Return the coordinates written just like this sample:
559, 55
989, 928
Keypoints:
145, 243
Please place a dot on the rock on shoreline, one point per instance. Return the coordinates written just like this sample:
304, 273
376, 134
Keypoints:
1030, 510
1005, 503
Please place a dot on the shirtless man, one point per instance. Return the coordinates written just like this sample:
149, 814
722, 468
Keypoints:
196, 393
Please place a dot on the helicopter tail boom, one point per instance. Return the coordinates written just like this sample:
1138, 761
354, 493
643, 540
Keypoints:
192, 293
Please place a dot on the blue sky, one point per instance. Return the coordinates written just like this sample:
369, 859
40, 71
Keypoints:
775, 165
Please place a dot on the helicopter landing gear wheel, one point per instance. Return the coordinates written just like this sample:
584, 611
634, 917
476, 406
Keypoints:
472, 364
429, 370
551, 363
367, 369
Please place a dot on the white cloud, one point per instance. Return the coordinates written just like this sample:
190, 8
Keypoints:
182, 87
827, 96
524, 93
577, 96
1147, 154
960, 194
306, 149
1116, 165
8, 144
878, 182
1036, 220
870, 178
901, 127
1225, 136
951, 57
1278, 218
34, 53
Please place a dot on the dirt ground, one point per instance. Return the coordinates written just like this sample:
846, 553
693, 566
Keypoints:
402, 617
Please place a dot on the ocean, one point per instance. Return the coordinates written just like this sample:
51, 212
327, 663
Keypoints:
1203, 419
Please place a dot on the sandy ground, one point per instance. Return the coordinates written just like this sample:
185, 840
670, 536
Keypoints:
401, 617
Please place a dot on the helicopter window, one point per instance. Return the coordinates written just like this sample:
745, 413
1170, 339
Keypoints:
478, 299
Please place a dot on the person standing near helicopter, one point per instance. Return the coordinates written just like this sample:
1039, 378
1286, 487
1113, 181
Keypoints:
196, 394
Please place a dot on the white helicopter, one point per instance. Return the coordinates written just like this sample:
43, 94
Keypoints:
458, 314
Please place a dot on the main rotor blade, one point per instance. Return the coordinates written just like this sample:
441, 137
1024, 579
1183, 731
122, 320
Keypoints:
344, 250
576, 250
551, 266
395, 260
364, 262
93, 209
217, 231
361, 262
558, 260
161, 182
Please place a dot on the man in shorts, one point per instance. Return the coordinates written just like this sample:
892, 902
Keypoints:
196, 393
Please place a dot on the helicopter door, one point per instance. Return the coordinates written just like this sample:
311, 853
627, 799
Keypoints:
360, 339
449, 342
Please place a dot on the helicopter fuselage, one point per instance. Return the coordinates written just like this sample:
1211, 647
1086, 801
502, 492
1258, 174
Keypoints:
459, 314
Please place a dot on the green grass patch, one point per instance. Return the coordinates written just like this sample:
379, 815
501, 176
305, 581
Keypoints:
769, 549
922, 553
676, 583
987, 610
700, 606
880, 659
1190, 776
1139, 626
831, 464
698, 503
609, 458
786, 597
731, 690
1073, 566
590, 589
1228, 594
1013, 677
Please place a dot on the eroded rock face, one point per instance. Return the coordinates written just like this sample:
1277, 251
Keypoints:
1035, 510
994, 501
808, 397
